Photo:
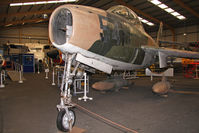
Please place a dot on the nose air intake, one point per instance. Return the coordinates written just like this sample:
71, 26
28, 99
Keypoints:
61, 26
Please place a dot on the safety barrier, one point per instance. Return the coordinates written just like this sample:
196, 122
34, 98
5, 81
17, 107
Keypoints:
3, 77
19, 68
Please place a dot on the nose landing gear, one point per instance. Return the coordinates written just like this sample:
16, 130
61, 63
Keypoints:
66, 116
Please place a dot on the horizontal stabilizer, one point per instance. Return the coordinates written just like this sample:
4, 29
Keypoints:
172, 43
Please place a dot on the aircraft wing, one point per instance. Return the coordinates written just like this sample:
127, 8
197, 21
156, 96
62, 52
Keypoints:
163, 53
172, 43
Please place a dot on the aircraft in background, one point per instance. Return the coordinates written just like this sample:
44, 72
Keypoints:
104, 40
56, 56
17, 49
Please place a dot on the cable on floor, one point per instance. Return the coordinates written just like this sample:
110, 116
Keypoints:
185, 92
105, 119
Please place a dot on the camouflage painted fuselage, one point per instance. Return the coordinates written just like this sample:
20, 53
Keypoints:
109, 34
120, 40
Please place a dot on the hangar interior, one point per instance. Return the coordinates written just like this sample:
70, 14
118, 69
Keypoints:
33, 69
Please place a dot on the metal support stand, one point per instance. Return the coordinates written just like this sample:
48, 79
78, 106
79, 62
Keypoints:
47, 71
151, 77
20, 74
77, 85
196, 72
2, 85
53, 82
60, 71
85, 98
4, 75
58, 77
38, 68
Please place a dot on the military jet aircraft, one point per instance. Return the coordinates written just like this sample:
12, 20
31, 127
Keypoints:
104, 40
56, 56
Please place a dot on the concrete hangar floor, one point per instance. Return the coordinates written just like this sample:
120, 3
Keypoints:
31, 108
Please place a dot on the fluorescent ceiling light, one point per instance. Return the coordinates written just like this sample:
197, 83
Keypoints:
55, 1
145, 21
149, 23
155, 2
51, 1
8, 25
39, 21
28, 3
42, 2
175, 14
181, 17
140, 18
163, 6
16, 4
68, 1
167, 9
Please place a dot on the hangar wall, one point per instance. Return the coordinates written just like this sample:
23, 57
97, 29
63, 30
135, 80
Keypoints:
24, 34
39, 34
192, 34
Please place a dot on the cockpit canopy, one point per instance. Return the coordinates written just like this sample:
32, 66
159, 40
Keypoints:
126, 13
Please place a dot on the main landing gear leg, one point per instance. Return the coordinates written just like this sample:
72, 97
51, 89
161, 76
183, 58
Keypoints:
66, 116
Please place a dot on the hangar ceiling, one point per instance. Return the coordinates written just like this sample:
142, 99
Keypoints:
34, 14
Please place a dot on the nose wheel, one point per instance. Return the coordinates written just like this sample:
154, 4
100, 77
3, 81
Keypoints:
66, 120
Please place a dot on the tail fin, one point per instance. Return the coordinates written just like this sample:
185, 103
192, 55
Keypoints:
159, 35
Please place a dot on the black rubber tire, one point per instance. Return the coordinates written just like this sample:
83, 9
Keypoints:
60, 116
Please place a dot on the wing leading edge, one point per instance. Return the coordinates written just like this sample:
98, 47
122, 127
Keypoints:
163, 53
